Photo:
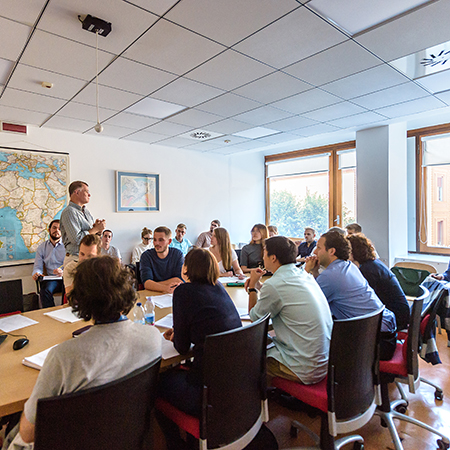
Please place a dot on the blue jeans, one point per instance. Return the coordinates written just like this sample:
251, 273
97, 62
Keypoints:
47, 289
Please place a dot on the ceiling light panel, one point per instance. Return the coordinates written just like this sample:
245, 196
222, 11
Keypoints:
257, 132
151, 107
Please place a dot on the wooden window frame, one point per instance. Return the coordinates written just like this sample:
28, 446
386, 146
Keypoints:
335, 179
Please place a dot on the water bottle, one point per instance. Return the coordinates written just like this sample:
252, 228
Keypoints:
149, 311
138, 314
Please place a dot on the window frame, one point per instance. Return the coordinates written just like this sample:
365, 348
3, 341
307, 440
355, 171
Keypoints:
335, 179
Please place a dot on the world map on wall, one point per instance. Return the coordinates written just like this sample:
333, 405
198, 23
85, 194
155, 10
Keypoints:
33, 192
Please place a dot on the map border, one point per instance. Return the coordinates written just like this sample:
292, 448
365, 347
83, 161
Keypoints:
19, 262
155, 177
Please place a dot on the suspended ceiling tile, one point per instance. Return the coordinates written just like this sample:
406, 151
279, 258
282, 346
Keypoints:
263, 115
158, 7
132, 121
205, 146
109, 98
228, 22
28, 100
357, 120
291, 123
30, 78
333, 112
228, 126
21, 116
25, 11
5, 69
315, 130
144, 136
229, 70
336, 62
110, 131
70, 124
13, 36
175, 142
229, 139
444, 96
195, 118
273, 87
412, 107
397, 94
134, 77
280, 138
228, 105
416, 31
128, 22
168, 128
289, 39
172, 48
371, 80
251, 144
56, 54
82, 111
187, 92
436, 82
307, 101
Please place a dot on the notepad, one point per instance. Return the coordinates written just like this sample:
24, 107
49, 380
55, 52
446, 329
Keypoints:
36, 361
65, 315
163, 301
165, 322
15, 322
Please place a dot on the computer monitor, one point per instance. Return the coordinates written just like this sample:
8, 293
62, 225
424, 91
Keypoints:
11, 296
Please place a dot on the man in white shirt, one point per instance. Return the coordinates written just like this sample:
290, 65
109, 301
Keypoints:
107, 248
204, 239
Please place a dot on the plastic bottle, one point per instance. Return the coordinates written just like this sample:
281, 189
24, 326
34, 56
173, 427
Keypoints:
149, 311
138, 313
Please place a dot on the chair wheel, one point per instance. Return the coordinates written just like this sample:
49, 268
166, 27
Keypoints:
293, 431
442, 445
439, 395
401, 409
383, 423
358, 446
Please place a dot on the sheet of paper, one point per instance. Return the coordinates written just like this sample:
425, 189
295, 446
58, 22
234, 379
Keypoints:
165, 322
167, 349
163, 301
243, 313
36, 361
63, 315
15, 322
225, 280
51, 277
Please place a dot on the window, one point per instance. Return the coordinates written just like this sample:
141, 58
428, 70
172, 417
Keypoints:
311, 188
432, 190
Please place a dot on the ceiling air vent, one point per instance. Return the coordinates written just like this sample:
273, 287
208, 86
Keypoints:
434, 60
201, 135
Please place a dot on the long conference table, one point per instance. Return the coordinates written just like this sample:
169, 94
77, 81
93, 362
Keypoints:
17, 381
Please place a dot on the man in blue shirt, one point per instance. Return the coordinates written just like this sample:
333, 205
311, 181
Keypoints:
347, 291
161, 266
180, 242
50, 255
307, 246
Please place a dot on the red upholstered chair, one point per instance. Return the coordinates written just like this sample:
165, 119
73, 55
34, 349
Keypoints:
234, 403
346, 399
404, 368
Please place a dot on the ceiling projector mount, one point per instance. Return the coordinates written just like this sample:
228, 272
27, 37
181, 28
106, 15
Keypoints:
102, 28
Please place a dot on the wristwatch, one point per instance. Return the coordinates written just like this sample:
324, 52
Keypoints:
252, 290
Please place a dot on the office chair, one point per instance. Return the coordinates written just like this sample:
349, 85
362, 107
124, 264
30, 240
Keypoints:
346, 398
11, 296
410, 279
114, 416
416, 265
234, 404
404, 368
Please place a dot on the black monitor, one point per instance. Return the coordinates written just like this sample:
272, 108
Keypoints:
11, 296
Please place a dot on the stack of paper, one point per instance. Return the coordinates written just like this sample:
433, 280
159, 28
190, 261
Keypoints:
63, 315
15, 322
226, 280
163, 301
36, 361
165, 322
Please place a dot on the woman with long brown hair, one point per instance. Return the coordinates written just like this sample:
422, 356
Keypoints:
224, 254
252, 254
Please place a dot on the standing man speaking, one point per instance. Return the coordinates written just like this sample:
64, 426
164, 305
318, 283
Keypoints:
77, 221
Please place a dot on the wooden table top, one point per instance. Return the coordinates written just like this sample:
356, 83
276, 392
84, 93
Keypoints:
17, 381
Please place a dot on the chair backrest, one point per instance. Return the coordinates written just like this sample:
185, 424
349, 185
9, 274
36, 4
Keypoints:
416, 265
11, 296
113, 416
410, 279
353, 365
234, 378
430, 311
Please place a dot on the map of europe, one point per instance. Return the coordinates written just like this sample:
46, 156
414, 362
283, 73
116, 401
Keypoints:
33, 192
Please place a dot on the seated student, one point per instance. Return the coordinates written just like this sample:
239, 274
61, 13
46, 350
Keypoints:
380, 278
442, 276
90, 247
180, 242
50, 256
224, 254
146, 244
252, 254
273, 230
161, 266
307, 246
347, 291
201, 307
204, 239
107, 248
87, 361
353, 228
300, 314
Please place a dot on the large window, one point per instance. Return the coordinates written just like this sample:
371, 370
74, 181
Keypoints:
432, 189
311, 188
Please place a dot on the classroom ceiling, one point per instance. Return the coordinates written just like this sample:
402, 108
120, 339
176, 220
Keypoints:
223, 76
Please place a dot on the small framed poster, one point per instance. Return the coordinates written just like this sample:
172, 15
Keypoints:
137, 192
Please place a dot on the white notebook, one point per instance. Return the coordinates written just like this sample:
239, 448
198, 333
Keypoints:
36, 361
63, 315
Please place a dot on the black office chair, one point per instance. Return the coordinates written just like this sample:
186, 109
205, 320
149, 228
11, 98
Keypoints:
114, 416
404, 368
234, 394
11, 296
346, 399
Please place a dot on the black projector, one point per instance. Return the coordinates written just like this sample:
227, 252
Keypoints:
95, 24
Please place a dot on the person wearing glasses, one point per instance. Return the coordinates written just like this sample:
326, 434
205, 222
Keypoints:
146, 244
180, 242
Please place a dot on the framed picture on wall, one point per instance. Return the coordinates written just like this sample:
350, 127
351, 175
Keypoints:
137, 192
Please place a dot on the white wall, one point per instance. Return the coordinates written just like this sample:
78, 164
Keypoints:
195, 187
